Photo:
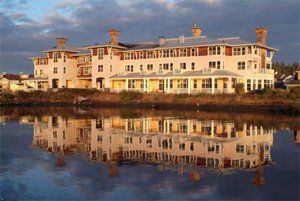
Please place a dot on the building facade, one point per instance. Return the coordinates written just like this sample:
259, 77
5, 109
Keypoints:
194, 64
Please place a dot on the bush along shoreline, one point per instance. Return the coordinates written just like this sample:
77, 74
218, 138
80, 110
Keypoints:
266, 100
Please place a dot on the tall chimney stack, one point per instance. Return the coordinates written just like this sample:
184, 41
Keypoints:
61, 42
114, 36
196, 31
261, 34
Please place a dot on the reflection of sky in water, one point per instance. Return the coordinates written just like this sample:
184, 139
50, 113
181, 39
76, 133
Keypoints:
30, 174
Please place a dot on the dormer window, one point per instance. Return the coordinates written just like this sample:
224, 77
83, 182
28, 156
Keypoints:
182, 52
193, 52
215, 50
55, 57
239, 51
100, 53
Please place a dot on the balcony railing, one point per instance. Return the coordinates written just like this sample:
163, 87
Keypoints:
84, 75
265, 71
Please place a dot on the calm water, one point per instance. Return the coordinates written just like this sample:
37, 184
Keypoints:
110, 154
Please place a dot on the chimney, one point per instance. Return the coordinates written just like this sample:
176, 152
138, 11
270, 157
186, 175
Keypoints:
114, 36
196, 31
162, 40
181, 39
61, 42
261, 34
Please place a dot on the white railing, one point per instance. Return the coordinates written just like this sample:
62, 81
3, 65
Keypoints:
265, 71
178, 91
114, 90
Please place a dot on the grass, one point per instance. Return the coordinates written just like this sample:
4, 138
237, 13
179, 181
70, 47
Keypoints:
257, 97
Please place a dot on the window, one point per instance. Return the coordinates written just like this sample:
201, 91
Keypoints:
141, 55
241, 65
248, 85
171, 66
64, 58
129, 68
41, 72
259, 84
171, 84
86, 71
110, 68
100, 53
182, 52
64, 69
55, 57
206, 83
55, 70
149, 66
214, 64
214, 50
131, 84
195, 84
160, 66
166, 67
239, 51
100, 68
182, 65
150, 55
126, 56
99, 138
192, 66
192, 146
161, 85
181, 84
35, 72
166, 53
78, 71
193, 52
240, 148
181, 146
54, 134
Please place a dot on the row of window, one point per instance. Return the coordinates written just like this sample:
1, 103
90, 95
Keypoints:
183, 52
100, 54
101, 68
55, 57
87, 70
258, 84
84, 59
55, 70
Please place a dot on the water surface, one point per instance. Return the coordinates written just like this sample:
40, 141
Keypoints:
112, 154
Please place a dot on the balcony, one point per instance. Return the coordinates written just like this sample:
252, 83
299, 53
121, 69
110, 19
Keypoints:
84, 76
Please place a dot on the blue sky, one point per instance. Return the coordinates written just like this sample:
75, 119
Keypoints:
28, 27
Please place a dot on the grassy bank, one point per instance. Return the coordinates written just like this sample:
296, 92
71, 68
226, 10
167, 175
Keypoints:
268, 99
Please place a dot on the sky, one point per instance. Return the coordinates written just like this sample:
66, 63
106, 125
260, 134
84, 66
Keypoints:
28, 27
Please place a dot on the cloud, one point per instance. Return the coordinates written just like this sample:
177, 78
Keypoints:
86, 22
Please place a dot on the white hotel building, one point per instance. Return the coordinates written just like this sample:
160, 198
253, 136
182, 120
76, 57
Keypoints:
194, 64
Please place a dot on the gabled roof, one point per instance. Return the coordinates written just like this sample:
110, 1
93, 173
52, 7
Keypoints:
11, 77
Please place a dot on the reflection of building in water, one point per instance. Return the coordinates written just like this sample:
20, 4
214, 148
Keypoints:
297, 136
164, 141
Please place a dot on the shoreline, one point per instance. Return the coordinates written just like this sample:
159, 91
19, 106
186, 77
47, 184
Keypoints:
269, 109
269, 101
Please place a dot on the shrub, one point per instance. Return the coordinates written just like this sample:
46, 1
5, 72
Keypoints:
6, 97
128, 96
239, 88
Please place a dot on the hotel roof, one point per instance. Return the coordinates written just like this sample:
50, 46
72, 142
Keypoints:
195, 41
